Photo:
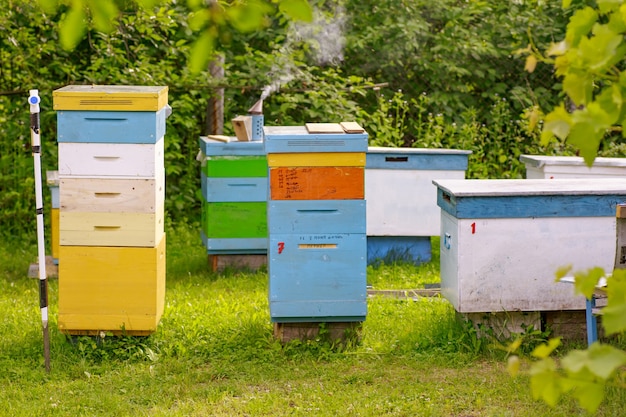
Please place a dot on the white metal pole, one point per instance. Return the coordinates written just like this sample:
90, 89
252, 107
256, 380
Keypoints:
33, 101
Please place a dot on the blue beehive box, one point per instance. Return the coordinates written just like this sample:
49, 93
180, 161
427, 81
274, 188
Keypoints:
111, 126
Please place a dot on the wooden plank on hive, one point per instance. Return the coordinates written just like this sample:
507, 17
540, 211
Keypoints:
351, 127
324, 128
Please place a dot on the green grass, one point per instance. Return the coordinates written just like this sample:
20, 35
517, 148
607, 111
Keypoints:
214, 354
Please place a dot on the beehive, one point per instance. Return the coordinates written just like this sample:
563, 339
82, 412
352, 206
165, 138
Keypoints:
551, 167
233, 177
111, 212
502, 241
316, 225
402, 211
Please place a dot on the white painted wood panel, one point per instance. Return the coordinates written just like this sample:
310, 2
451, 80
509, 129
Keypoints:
554, 167
490, 265
404, 202
111, 159
112, 195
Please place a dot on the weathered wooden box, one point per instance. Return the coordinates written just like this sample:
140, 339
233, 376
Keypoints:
502, 241
116, 289
402, 211
551, 167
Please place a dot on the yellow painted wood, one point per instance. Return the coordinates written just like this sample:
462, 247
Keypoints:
109, 289
110, 97
112, 195
111, 229
54, 232
317, 159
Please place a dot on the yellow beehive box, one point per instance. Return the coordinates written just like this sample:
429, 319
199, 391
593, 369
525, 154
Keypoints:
111, 229
316, 159
110, 97
119, 290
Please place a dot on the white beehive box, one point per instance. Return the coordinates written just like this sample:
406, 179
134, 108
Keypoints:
554, 167
402, 210
502, 241
401, 198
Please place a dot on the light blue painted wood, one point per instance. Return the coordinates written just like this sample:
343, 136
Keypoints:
296, 139
416, 159
233, 189
216, 148
326, 271
316, 216
483, 199
111, 126
234, 245
592, 321
54, 194
390, 249
320, 311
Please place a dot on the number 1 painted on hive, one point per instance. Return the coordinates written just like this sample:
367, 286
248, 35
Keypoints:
473, 226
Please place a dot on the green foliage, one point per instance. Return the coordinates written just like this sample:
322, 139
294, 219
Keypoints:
584, 374
590, 61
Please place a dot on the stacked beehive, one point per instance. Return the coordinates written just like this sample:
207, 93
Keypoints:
316, 225
112, 193
234, 204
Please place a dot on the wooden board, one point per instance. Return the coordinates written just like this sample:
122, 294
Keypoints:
317, 183
315, 159
252, 262
324, 128
242, 126
110, 289
351, 127
111, 195
339, 331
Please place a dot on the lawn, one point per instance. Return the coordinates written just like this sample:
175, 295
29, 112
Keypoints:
214, 354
